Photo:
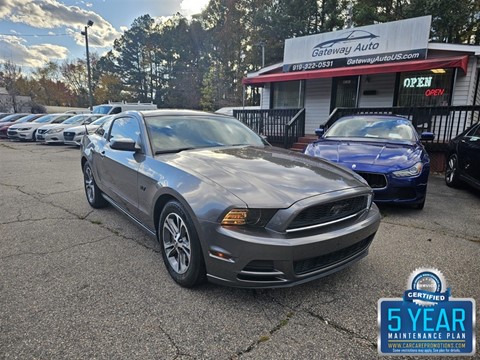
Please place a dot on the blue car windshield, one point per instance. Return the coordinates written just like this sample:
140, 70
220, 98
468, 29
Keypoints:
171, 133
392, 129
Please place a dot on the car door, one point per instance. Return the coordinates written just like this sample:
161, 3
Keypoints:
470, 152
119, 168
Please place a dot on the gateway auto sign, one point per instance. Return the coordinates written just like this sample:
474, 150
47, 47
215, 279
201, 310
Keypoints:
374, 44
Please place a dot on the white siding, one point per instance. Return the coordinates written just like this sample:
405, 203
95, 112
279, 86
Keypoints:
317, 103
265, 97
383, 84
463, 92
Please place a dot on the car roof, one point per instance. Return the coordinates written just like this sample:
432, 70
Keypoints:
176, 112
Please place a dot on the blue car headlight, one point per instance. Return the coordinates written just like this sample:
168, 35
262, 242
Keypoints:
411, 171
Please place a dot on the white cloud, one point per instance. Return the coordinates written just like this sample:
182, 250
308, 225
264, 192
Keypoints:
192, 7
50, 14
16, 50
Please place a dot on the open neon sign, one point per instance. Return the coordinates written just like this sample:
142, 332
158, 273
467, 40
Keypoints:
434, 92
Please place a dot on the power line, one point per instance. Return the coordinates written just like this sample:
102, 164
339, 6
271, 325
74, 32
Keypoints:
36, 35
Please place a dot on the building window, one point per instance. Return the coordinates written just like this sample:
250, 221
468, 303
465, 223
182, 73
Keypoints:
288, 95
425, 88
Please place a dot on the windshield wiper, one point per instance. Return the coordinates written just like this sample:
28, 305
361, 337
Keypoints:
173, 151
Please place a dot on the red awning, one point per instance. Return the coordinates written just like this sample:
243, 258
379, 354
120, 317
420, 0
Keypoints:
404, 66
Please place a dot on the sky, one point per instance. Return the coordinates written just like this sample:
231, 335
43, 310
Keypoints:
33, 32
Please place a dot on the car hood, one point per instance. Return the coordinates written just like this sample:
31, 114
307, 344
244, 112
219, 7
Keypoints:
367, 156
49, 126
267, 176
31, 125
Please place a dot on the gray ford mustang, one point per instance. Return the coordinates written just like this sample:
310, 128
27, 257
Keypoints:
224, 204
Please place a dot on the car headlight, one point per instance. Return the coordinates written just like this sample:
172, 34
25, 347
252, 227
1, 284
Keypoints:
246, 217
54, 131
81, 133
24, 129
411, 171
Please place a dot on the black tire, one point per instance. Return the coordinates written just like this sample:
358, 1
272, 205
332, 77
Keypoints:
93, 193
34, 138
181, 249
451, 172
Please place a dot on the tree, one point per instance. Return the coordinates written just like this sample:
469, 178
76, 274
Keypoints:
10, 76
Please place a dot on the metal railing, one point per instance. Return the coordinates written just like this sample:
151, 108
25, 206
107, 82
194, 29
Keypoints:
280, 126
445, 122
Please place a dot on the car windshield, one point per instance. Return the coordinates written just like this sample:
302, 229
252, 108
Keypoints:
101, 120
395, 129
27, 118
13, 117
173, 133
44, 119
75, 119
101, 109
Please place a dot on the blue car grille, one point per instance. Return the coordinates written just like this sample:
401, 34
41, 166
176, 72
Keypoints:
376, 181
308, 265
328, 212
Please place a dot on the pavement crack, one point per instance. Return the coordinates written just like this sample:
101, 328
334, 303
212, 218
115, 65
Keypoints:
19, 221
342, 329
263, 338
443, 231
54, 251
178, 352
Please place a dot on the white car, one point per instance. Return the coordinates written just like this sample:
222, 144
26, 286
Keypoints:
53, 133
28, 131
74, 135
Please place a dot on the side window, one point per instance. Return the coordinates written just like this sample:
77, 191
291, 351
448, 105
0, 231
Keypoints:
60, 119
125, 128
116, 110
103, 129
476, 132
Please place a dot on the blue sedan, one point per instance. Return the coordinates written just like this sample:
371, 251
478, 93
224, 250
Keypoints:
385, 150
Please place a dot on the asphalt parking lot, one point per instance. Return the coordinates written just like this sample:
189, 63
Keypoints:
82, 283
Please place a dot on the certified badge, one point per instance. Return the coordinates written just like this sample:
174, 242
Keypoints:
427, 320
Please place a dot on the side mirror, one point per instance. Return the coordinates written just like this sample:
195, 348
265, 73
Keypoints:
427, 136
320, 131
124, 145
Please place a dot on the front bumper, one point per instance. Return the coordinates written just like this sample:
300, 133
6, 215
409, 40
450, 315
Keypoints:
15, 134
55, 138
273, 259
408, 190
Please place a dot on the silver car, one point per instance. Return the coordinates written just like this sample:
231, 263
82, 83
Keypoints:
74, 135
224, 204
29, 131
53, 133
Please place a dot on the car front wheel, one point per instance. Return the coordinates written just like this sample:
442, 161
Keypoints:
93, 193
181, 248
451, 172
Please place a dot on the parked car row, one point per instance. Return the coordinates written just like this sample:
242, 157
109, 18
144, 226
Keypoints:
50, 128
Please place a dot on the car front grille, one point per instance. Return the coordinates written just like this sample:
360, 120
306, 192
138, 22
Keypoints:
313, 264
42, 131
68, 135
12, 132
329, 212
376, 181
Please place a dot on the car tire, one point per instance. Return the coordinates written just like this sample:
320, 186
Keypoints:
93, 193
181, 249
451, 172
34, 136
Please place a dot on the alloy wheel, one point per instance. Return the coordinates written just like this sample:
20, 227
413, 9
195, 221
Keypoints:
176, 242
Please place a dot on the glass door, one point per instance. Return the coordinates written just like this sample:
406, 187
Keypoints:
344, 92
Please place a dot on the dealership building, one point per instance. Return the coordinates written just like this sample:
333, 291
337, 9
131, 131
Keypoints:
382, 68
